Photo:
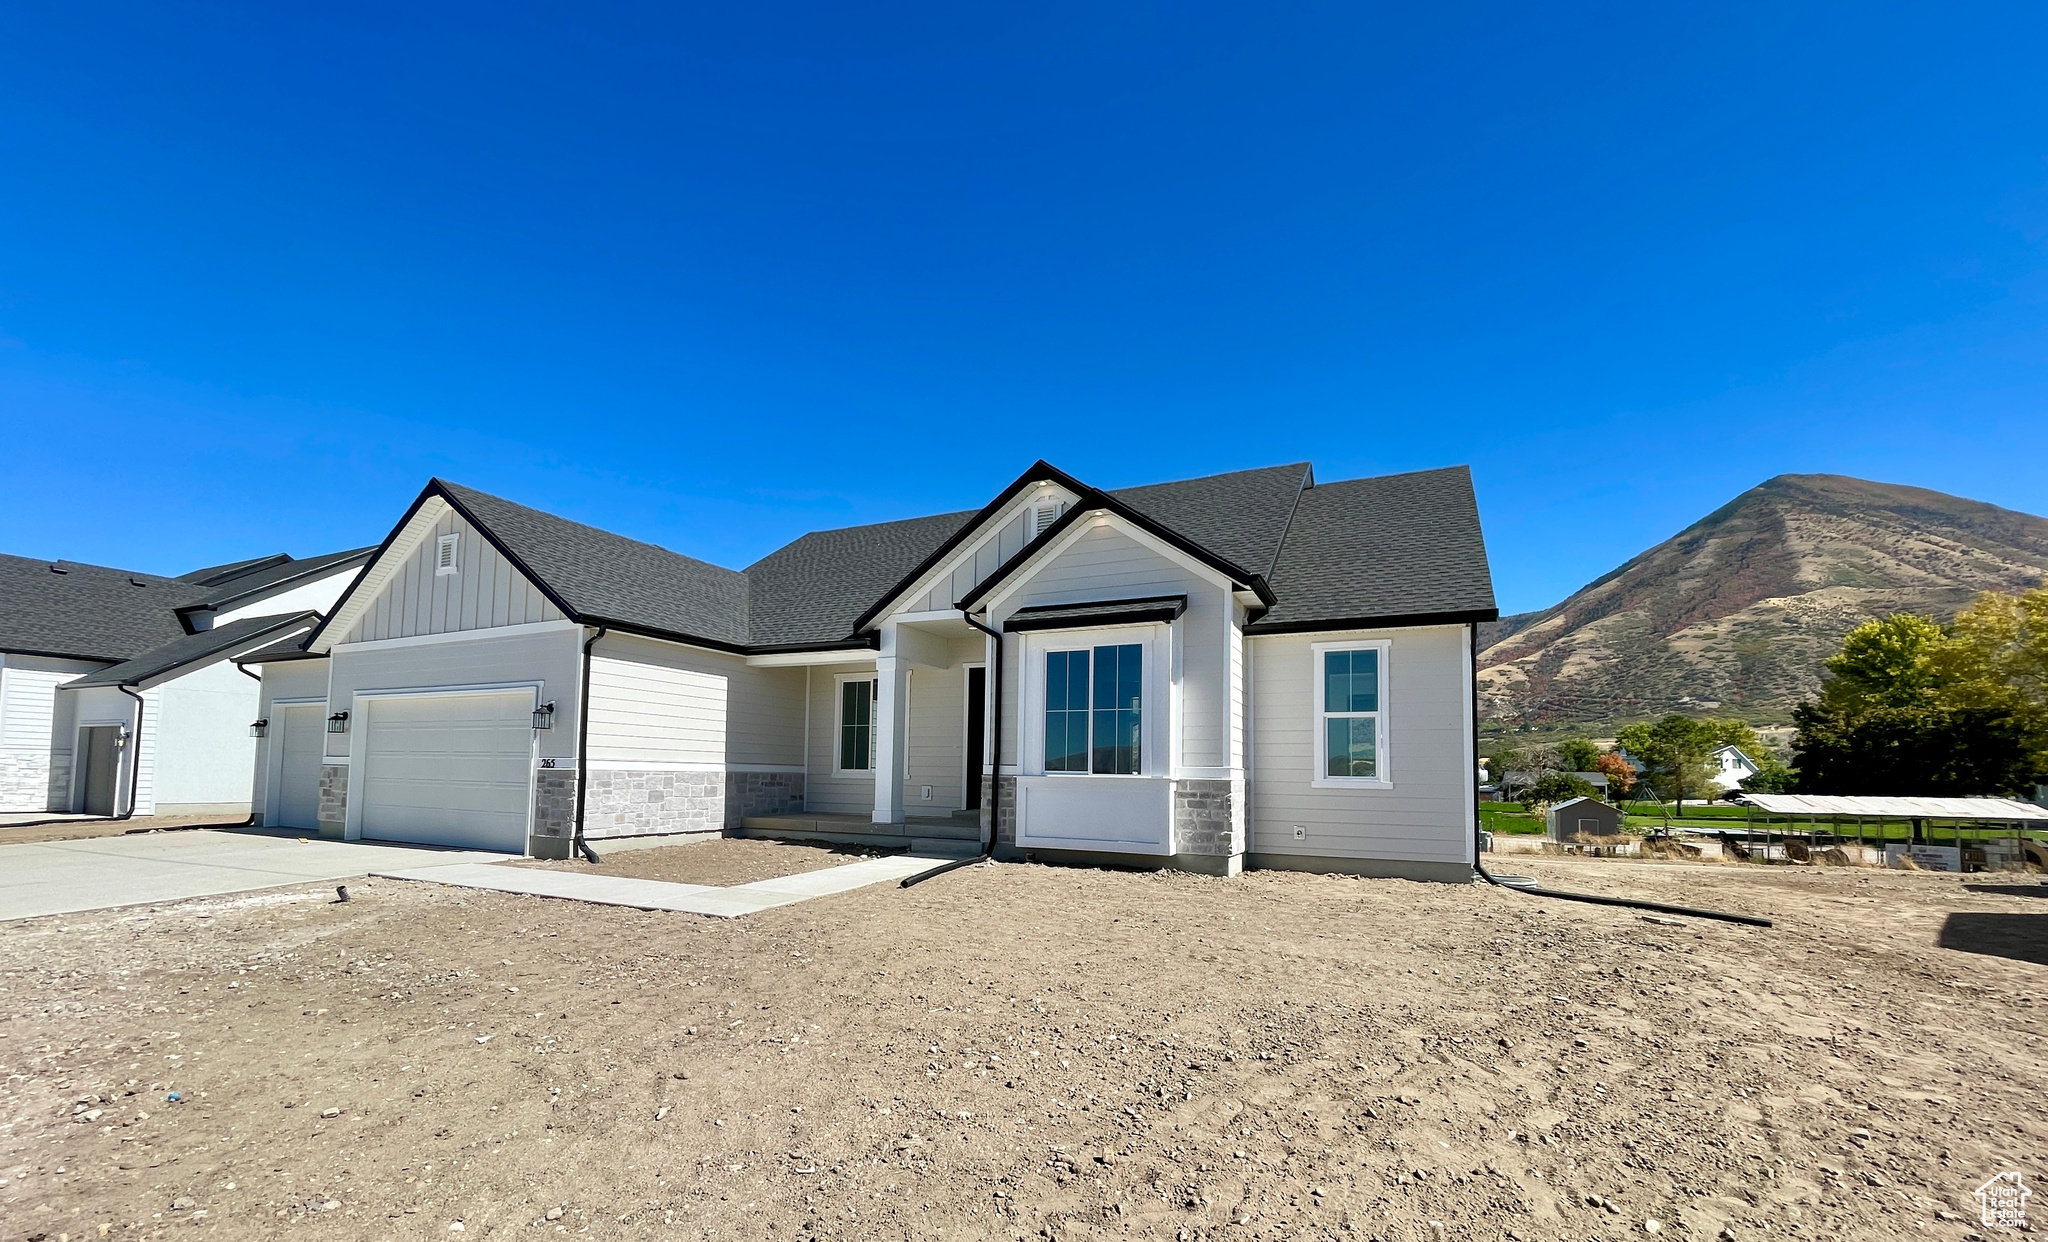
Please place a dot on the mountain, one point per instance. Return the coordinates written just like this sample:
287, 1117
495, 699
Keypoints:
1735, 613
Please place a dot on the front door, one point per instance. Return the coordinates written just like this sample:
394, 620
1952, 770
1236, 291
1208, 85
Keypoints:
977, 727
101, 750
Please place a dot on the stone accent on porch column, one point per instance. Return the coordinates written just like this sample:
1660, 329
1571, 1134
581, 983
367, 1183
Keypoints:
1206, 825
554, 803
999, 803
333, 812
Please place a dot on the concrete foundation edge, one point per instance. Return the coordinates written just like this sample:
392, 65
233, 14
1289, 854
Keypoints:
1200, 864
1375, 868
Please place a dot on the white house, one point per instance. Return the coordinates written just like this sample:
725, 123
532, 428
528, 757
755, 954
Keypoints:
1245, 669
118, 694
1732, 766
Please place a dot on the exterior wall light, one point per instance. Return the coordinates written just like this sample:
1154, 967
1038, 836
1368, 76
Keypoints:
544, 716
338, 723
260, 729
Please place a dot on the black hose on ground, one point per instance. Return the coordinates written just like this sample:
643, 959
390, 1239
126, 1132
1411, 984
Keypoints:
1626, 903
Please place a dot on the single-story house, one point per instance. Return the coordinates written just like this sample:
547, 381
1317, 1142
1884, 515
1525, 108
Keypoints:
1244, 669
1582, 817
118, 693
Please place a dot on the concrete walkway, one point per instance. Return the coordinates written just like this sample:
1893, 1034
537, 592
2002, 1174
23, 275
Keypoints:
728, 903
69, 877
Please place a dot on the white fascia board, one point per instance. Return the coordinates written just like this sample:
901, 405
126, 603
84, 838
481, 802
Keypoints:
1051, 552
797, 659
1039, 493
379, 571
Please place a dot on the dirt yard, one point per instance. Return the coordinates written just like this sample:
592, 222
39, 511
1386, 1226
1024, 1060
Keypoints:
1025, 1051
719, 863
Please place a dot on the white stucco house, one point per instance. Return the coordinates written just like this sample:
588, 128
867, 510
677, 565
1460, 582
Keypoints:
1248, 669
118, 691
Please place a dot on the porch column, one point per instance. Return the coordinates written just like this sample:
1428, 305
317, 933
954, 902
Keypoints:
892, 675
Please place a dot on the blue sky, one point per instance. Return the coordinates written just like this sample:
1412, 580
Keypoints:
712, 276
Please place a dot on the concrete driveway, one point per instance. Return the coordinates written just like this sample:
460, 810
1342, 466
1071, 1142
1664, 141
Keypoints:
67, 877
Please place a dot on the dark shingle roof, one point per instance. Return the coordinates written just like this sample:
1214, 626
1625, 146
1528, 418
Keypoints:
600, 576
1241, 517
1368, 549
192, 649
293, 648
813, 590
1402, 545
214, 575
88, 612
273, 573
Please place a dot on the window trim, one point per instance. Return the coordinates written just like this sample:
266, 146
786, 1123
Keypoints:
839, 680
1320, 743
1157, 750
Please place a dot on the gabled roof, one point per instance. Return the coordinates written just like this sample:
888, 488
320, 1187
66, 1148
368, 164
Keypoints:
214, 575
195, 649
1399, 550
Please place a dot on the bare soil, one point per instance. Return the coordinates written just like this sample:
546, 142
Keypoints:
720, 862
1018, 1051
83, 829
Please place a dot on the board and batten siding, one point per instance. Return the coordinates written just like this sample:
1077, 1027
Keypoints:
485, 592
1106, 564
824, 789
971, 566
654, 703
1426, 816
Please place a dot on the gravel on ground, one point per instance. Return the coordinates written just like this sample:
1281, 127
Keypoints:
1022, 1051
720, 862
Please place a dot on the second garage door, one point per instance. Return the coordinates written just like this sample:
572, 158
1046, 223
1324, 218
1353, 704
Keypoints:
449, 769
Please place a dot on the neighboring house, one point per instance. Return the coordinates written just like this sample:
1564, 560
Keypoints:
1578, 818
1519, 782
117, 693
1732, 767
1248, 668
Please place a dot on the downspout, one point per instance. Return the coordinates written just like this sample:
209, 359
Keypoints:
243, 669
135, 749
1533, 890
995, 758
577, 844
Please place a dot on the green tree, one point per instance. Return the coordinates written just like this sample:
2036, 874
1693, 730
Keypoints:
1925, 749
1771, 775
1676, 754
1554, 787
1886, 662
1577, 754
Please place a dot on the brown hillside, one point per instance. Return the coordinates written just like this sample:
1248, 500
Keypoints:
1735, 612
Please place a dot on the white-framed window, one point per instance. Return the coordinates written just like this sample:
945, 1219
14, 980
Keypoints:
853, 733
1351, 714
444, 554
1095, 710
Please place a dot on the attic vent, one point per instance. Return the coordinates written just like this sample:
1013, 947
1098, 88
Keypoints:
59, 569
444, 554
1045, 515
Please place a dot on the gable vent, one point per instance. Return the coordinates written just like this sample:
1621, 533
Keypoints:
444, 554
1045, 515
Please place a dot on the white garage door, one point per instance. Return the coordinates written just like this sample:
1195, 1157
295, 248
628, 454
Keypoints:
300, 733
449, 769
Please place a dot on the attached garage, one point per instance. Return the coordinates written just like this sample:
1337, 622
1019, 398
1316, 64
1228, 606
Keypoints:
298, 731
449, 769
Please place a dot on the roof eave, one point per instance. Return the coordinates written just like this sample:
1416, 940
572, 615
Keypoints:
1388, 621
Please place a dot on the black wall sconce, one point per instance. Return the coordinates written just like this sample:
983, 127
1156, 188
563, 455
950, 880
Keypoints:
544, 716
338, 723
260, 729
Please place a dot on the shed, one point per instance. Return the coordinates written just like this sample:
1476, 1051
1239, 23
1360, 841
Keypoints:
1583, 817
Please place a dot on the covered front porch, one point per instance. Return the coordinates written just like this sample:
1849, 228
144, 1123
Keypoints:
893, 739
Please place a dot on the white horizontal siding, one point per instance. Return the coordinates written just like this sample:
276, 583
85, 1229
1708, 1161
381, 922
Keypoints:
693, 705
824, 789
937, 742
552, 658
484, 593
1425, 816
28, 707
